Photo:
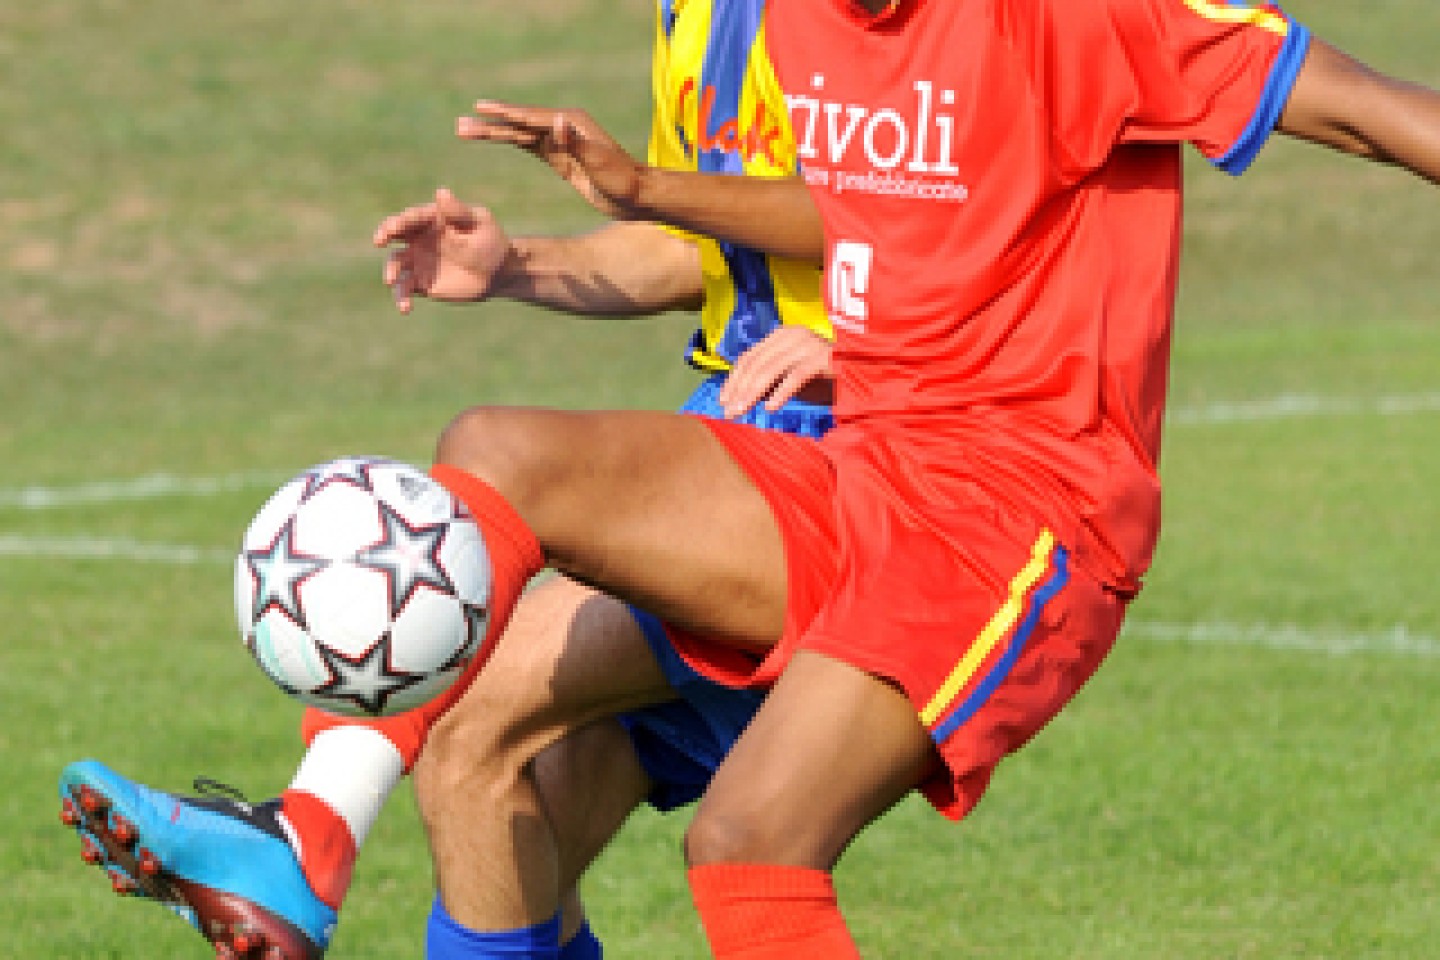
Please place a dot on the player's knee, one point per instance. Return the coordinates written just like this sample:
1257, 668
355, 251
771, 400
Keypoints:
514, 450
728, 836
479, 749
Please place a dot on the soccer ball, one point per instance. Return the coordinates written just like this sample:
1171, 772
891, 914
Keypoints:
362, 587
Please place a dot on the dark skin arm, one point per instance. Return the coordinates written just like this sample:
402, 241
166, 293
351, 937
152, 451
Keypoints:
773, 215
1339, 102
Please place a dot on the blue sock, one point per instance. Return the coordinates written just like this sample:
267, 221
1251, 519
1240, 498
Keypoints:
582, 946
447, 940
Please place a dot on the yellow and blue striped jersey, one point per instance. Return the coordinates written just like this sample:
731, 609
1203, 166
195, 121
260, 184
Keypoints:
718, 109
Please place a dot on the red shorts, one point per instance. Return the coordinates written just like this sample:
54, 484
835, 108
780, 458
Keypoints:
902, 564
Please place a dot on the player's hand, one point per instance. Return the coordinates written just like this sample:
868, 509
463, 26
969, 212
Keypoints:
446, 250
775, 370
571, 142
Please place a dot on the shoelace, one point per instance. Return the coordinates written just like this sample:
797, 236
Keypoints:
215, 789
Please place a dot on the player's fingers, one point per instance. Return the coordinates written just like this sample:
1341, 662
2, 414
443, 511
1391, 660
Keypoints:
394, 227
506, 123
475, 128
397, 278
405, 224
786, 388
393, 265
746, 385
455, 213
564, 132
535, 119
400, 292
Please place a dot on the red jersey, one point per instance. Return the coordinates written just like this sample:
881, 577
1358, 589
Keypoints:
1000, 184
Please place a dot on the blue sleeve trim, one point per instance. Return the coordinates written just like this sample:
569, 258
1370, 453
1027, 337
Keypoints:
1287, 65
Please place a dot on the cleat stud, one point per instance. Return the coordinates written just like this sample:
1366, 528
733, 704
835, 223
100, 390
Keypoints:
90, 852
123, 831
68, 814
274, 953
223, 951
122, 884
148, 863
92, 801
245, 941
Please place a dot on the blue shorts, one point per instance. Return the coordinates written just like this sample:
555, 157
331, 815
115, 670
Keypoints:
681, 743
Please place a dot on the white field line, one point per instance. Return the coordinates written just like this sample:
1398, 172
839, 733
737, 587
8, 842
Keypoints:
1395, 641
153, 487
96, 548
1301, 406
1398, 640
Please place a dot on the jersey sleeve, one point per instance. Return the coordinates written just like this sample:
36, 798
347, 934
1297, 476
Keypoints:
1215, 73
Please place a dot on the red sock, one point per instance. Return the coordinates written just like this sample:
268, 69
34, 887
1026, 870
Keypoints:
765, 912
327, 849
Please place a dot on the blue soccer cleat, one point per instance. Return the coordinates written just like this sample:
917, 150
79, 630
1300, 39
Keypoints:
223, 864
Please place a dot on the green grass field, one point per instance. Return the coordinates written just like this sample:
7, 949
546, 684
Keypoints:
192, 312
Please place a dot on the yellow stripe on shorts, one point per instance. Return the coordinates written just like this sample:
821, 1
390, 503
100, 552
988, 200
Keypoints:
997, 629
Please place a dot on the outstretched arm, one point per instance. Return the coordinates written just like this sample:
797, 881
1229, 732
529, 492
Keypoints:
1341, 103
450, 251
774, 215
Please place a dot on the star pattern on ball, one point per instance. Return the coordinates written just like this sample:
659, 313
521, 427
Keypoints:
408, 556
367, 681
354, 471
278, 572
477, 618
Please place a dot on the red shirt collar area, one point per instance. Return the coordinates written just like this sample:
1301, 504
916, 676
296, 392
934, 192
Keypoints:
861, 14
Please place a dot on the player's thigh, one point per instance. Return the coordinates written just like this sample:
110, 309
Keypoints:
649, 506
568, 656
831, 749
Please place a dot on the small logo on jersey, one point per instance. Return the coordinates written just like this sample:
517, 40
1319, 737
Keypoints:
755, 140
849, 273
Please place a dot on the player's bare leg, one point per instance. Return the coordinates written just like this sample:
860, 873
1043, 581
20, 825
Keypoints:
511, 823
831, 750
608, 498
611, 497
590, 782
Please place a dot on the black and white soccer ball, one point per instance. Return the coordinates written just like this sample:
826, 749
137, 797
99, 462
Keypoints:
362, 587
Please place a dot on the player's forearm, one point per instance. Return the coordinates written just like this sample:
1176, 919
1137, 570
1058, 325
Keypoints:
1341, 103
772, 215
619, 269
